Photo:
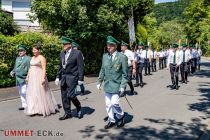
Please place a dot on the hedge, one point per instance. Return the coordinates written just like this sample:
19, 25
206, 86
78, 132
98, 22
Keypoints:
8, 53
51, 49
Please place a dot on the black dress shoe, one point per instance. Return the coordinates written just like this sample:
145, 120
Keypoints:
65, 116
121, 122
141, 85
82, 92
177, 87
109, 125
21, 108
136, 85
173, 86
79, 114
145, 74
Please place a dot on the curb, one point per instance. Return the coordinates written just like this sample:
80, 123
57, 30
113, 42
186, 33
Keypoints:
13, 91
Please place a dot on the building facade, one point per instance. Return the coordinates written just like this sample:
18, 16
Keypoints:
21, 10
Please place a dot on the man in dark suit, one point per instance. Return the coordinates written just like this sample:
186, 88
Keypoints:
70, 74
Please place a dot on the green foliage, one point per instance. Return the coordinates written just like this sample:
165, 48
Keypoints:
8, 53
141, 33
197, 23
7, 25
170, 32
88, 22
170, 10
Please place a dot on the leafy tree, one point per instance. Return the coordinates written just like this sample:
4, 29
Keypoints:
197, 15
170, 10
7, 25
170, 32
141, 33
89, 22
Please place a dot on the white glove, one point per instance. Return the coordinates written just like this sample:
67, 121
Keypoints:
99, 86
12, 73
57, 82
122, 90
80, 83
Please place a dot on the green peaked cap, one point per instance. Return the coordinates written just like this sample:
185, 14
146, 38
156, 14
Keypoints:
112, 40
75, 45
124, 44
192, 45
66, 40
184, 45
175, 45
140, 43
21, 47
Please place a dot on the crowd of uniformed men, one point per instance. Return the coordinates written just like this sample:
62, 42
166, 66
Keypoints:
120, 68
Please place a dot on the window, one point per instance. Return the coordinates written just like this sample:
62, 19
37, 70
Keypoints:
21, 5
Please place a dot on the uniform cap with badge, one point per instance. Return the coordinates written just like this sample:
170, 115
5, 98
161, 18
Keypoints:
112, 40
184, 45
140, 43
75, 45
123, 43
66, 40
21, 47
175, 45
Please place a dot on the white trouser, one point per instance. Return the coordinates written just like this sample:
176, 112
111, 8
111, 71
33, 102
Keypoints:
113, 106
22, 92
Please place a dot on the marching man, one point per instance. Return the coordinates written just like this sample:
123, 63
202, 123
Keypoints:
113, 73
131, 63
174, 63
20, 72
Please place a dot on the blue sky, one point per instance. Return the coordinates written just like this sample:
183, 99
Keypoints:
159, 1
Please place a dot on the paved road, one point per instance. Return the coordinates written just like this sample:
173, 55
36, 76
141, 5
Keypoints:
158, 113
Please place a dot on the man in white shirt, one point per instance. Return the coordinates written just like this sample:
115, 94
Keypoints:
160, 57
131, 64
164, 58
199, 57
140, 65
147, 59
174, 63
153, 65
185, 56
194, 55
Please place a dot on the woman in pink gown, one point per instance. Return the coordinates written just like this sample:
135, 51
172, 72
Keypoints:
40, 99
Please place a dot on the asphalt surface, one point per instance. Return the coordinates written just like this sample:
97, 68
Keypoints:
159, 113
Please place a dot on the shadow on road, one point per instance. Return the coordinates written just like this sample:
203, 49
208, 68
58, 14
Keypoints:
205, 70
171, 130
85, 111
203, 104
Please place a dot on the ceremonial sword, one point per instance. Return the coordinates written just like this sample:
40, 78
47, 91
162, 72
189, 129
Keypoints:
128, 102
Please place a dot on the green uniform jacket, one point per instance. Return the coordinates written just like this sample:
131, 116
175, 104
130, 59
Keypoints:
114, 73
21, 69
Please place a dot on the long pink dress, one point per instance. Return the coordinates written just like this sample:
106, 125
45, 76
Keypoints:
40, 99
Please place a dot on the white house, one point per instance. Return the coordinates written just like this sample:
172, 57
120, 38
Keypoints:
21, 10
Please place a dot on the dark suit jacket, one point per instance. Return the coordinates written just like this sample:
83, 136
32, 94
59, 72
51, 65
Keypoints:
74, 70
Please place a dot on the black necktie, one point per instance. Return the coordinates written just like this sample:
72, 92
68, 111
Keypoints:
184, 57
